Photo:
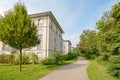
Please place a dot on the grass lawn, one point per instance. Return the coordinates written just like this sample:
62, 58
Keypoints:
29, 72
98, 72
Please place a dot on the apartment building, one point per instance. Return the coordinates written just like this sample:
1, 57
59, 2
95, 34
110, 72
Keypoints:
50, 34
66, 46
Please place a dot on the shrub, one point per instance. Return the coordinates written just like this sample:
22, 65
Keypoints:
58, 58
34, 58
114, 66
25, 59
103, 59
90, 56
17, 60
47, 61
7, 58
70, 56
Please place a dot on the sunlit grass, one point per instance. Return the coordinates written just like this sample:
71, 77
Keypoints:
98, 72
29, 72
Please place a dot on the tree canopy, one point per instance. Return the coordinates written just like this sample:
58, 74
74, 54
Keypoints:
88, 43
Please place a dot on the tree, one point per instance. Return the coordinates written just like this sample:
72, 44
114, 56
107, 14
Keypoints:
88, 43
17, 30
109, 32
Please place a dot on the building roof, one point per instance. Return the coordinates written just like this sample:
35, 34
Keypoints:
68, 41
49, 13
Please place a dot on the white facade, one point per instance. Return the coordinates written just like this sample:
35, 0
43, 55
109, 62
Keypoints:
50, 34
66, 46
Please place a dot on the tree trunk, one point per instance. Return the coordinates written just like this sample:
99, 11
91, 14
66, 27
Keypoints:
20, 60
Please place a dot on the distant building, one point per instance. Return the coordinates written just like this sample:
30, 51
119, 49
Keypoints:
66, 46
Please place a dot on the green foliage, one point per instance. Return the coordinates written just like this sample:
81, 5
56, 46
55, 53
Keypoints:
70, 56
103, 59
47, 61
90, 56
109, 29
34, 58
25, 59
7, 58
88, 44
115, 13
57, 58
114, 66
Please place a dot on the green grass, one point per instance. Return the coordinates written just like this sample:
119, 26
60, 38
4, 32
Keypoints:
98, 72
29, 72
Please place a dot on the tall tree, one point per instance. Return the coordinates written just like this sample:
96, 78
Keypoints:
109, 32
88, 43
17, 30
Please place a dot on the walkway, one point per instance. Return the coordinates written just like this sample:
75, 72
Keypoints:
75, 71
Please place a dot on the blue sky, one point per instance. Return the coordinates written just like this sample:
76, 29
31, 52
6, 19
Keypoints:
74, 16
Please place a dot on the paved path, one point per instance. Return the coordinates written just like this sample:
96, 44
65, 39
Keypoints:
75, 71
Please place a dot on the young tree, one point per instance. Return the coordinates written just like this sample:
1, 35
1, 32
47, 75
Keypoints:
17, 30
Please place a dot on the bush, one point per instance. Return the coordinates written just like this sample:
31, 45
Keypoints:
47, 61
17, 60
34, 58
7, 58
114, 66
58, 58
70, 56
103, 59
25, 59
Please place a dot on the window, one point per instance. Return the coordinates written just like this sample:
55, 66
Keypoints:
40, 22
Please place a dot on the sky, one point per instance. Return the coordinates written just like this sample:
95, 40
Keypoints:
74, 16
